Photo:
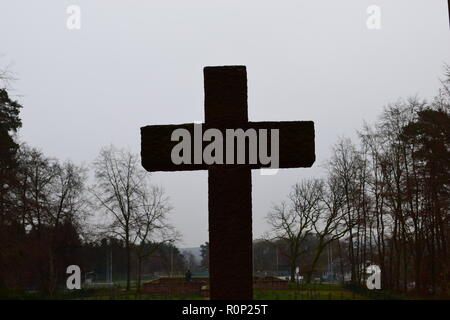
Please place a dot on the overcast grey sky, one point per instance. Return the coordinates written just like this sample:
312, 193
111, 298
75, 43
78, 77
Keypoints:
135, 63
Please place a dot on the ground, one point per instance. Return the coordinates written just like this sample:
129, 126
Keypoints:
295, 292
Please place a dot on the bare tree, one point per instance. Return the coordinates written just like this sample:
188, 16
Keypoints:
328, 224
151, 224
6, 76
292, 223
343, 169
133, 211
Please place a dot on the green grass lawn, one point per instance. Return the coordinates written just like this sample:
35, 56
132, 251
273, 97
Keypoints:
306, 295
294, 292
134, 296
309, 292
302, 292
317, 292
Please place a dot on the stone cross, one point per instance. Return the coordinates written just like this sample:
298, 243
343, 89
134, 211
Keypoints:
229, 185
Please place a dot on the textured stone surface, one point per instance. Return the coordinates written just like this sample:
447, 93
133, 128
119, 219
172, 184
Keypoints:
296, 144
229, 191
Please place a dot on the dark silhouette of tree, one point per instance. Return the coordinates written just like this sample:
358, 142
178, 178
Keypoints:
10, 122
135, 211
431, 133
10, 231
293, 222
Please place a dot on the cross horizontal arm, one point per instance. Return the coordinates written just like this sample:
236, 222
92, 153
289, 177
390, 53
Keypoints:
296, 145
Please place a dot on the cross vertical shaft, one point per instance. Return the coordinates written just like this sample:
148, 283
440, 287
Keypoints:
229, 190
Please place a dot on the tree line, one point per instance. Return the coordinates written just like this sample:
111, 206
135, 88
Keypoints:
384, 200
50, 217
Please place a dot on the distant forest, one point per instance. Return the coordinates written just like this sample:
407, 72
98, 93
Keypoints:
384, 200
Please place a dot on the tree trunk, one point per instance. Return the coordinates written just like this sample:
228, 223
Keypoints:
128, 253
139, 268
319, 250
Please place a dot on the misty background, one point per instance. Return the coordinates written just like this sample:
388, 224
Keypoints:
138, 63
